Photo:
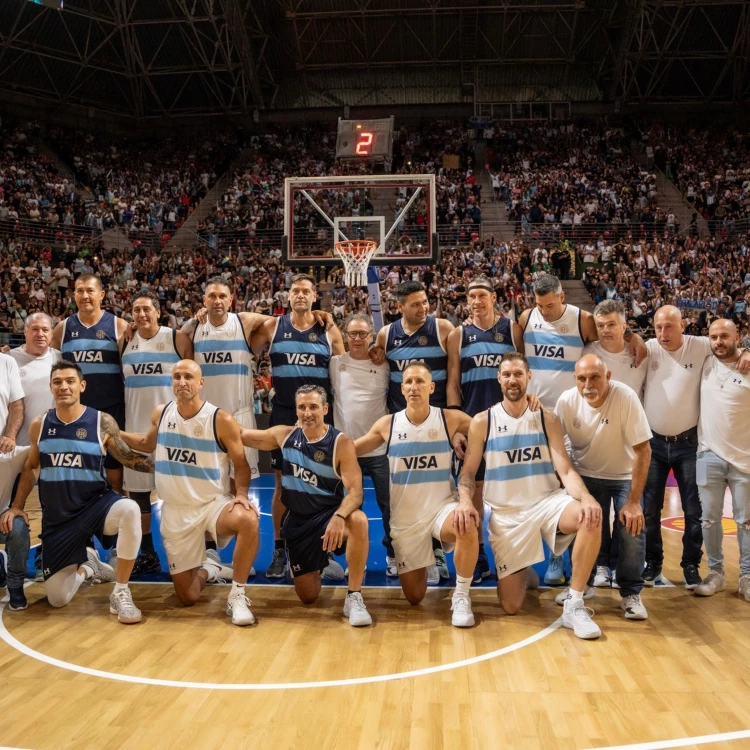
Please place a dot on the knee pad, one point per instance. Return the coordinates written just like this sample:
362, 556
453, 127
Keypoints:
144, 501
129, 533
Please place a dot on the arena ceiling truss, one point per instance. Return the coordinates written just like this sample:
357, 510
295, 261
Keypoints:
143, 59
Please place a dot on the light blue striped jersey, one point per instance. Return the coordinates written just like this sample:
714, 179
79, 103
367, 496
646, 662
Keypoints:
481, 351
423, 345
309, 480
95, 350
419, 458
298, 358
192, 468
226, 362
553, 350
519, 472
71, 459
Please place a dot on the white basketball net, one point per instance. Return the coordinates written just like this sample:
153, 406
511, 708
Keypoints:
356, 255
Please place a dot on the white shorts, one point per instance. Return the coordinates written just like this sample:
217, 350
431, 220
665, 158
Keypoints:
11, 465
246, 418
413, 546
516, 538
183, 529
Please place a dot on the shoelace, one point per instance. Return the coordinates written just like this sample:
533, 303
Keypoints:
357, 602
460, 603
583, 613
239, 599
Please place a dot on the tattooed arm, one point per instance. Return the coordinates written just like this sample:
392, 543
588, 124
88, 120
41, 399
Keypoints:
118, 448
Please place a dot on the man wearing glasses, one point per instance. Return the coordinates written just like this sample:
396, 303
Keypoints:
360, 390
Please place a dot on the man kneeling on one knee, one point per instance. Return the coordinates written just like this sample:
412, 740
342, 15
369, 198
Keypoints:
524, 453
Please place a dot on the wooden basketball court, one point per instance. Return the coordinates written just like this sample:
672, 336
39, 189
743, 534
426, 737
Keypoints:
302, 678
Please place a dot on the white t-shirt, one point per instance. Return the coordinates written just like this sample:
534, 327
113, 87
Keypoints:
360, 391
622, 366
10, 388
600, 441
34, 372
673, 384
724, 425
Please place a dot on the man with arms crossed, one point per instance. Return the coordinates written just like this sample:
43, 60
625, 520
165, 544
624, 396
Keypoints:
194, 443
609, 435
70, 443
322, 494
524, 452
423, 495
724, 455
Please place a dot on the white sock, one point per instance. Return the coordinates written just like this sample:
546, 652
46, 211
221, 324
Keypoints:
237, 588
462, 586
120, 587
88, 572
575, 595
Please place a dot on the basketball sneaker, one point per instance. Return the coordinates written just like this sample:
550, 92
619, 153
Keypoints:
714, 582
238, 606
577, 617
481, 569
121, 604
356, 611
101, 572
433, 576
17, 598
602, 578
145, 564
279, 565
634, 608
743, 586
391, 569
441, 563
564, 595
691, 577
213, 554
651, 574
555, 575
217, 572
462, 616
112, 562
333, 571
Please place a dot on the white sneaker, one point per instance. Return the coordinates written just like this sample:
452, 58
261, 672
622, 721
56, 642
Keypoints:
102, 573
714, 582
564, 595
441, 564
634, 607
433, 576
333, 571
602, 577
391, 569
613, 582
121, 604
238, 605
577, 617
743, 586
217, 572
356, 611
462, 616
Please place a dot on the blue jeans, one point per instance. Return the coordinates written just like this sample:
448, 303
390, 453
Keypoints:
631, 549
17, 548
377, 468
714, 475
680, 457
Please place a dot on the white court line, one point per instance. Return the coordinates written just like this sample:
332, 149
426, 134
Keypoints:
18, 646
702, 740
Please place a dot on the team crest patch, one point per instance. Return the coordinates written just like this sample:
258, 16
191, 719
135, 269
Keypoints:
706, 372
422, 340
577, 423
654, 366
499, 338
22, 372
81, 434
319, 456
432, 434
313, 337
533, 424
197, 431
101, 334
342, 368
160, 347
564, 328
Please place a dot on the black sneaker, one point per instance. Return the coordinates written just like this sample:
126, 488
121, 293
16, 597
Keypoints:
481, 569
691, 577
278, 566
17, 598
146, 563
652, 574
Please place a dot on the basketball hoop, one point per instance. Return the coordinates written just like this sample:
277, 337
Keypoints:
356, 255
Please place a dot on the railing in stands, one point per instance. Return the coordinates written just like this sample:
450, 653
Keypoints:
53, 235
582, 233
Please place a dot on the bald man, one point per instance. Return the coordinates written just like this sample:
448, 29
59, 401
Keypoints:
672, 401
724, 455
609, 436
195, 443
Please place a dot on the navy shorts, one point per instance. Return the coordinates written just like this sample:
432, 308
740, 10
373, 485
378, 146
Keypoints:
117, 412
304, 541
280, 415
65, 544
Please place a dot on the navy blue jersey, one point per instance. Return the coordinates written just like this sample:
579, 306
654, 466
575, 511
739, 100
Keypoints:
94, 349
309, 480
481, 352
71, 459
421, 346
298, 358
